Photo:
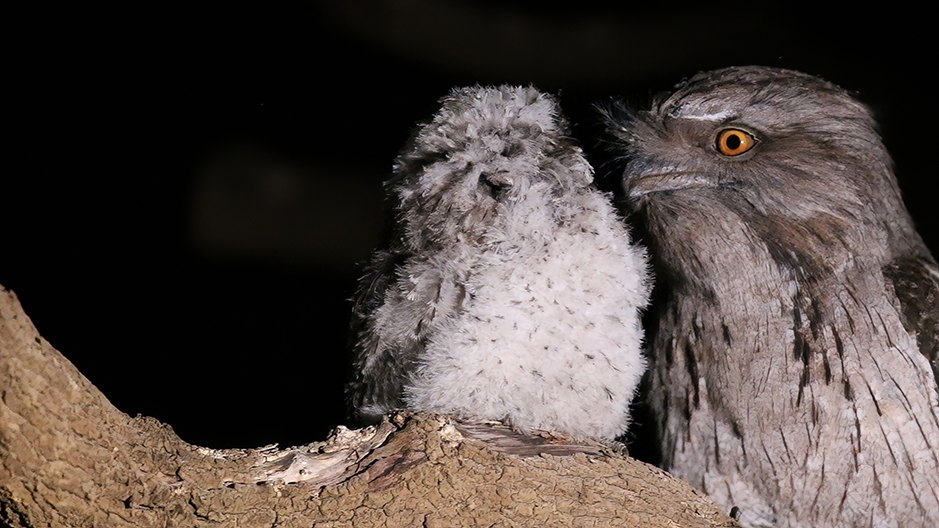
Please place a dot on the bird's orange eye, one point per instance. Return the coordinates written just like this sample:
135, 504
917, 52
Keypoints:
734, 142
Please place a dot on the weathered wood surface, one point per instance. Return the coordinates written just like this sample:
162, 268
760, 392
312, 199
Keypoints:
68, 458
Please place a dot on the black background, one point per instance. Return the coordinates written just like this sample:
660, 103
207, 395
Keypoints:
186, 191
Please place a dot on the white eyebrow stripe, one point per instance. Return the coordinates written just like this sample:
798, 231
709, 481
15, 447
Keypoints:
708, 117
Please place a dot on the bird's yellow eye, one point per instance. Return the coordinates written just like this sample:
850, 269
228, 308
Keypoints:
734, 142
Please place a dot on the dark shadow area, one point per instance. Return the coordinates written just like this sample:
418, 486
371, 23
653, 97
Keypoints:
186, 192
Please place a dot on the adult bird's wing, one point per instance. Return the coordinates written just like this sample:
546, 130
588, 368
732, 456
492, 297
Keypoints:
915, 282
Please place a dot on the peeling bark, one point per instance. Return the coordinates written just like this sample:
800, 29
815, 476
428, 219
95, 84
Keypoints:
70, 458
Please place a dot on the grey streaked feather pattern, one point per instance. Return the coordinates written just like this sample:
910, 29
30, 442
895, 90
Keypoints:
915, 283
794, 352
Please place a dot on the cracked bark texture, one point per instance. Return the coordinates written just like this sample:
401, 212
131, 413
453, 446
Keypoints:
68, 458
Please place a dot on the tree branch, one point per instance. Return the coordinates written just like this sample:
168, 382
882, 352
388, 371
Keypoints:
70, 458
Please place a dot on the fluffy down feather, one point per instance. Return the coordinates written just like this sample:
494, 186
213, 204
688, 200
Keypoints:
509, 289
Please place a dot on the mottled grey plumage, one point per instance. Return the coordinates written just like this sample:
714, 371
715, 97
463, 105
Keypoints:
510, 290
794, 355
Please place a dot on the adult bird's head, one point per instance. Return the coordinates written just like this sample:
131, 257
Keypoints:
778, 158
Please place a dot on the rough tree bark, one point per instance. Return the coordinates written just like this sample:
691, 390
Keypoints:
70, 458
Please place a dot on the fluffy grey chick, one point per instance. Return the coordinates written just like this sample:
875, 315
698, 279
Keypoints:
510, 290
794, 352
